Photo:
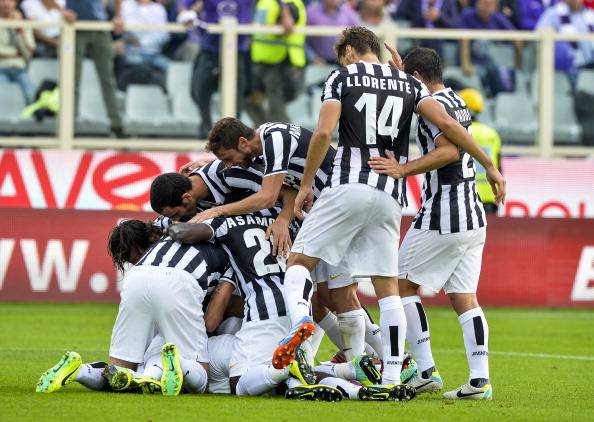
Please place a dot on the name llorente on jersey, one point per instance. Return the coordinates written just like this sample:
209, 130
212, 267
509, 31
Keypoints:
242, 220
378, 83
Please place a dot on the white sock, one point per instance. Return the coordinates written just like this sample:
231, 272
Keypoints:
476, 341
417, 332
153, 368
298, 291
293, 382
195, 376
352, 330
316, 339
330, 325
310, 354
373, 336
260, 379
348, 389
346, 370
393, 326
90, 376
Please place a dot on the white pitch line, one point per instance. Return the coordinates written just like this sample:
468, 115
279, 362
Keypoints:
524, 354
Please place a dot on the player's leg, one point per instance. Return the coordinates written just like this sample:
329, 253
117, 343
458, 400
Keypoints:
351, 319
373, 336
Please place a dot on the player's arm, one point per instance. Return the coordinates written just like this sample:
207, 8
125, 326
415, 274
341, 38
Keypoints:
445, 152
215, 311
279, 230
318, 147
191, 233
434, 112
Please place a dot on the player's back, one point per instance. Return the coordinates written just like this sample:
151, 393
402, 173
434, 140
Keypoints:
377, 103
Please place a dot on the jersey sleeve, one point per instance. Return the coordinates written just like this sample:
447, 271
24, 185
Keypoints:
219, 227
421, 92
162, 222
277, 151
212, 175
433, 130
333, 87
229, 276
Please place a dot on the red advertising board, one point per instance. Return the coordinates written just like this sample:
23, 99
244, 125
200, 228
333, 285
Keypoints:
61, 255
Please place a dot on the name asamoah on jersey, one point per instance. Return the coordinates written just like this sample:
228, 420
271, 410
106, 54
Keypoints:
242, 220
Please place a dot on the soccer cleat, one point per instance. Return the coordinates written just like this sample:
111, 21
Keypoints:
172, 378
365, 370
426, 385
301, 370
409, 369
61, 374
338, 357
387, 393
468, 392
145, 385
119, 378
314, 392
285, 352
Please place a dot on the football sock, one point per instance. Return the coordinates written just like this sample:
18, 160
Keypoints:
373, 335
393, 327
195, 376
330, 325
316, 339
90, 376
352, 330
348, 389
417, 332
153, 368
476, 341
346, 370
298, 291
260, 379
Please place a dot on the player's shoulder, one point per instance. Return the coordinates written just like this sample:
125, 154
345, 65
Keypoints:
214, 167
449, 99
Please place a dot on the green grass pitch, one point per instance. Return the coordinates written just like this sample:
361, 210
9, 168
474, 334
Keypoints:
541, 363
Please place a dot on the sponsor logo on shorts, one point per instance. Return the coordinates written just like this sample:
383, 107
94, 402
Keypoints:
334, 277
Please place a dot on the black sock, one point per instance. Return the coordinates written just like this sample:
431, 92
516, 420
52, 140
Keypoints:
426, 374
479, 382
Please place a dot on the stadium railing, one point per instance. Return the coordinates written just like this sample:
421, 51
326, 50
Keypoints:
229, 29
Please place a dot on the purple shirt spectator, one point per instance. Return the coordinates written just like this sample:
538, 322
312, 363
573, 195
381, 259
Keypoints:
531, 11
471, 20
332, 13
416, 11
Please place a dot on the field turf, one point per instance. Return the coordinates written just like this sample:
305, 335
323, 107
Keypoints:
541, 364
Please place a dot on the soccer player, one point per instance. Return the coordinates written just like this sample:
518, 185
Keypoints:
443, 248
358, 215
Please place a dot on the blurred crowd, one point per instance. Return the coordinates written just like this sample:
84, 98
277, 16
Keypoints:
271, 67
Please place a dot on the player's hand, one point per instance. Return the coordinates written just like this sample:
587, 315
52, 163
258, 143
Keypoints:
281, 237
206, 215
192, 165
396, 60
387, 165
303, 201
497, 182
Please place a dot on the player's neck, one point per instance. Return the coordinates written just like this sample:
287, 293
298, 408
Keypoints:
435, 86
369, 58
257, 144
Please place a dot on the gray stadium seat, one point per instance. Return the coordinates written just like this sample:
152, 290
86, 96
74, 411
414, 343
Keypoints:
503, 53
179, 76
147, 111
185, 115
89, 76
515, 118
585, 81
299, 112
40, 69
562, 85
316, 74
11, 106
92, 117
472, 81
567, 128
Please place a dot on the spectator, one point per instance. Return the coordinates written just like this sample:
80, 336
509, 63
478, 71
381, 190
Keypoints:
99, 44
144, 47
278, 60
16, 48
44, 11
330, 13
531, 10
511, 10
187, 13
570, 16
373, 14
485, 16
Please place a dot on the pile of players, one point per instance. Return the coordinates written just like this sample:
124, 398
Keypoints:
257, 254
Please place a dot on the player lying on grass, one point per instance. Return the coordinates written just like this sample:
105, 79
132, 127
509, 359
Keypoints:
443, 248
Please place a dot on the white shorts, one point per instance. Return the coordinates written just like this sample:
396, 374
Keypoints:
219, 352
356, 223
159, 300
256, 342
336, 276
451, 262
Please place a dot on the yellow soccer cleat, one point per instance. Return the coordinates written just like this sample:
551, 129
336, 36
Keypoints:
314, 393
301, 370
61, 374
172, 378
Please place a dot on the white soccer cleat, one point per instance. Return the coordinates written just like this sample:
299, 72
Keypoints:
427, 385
468, 392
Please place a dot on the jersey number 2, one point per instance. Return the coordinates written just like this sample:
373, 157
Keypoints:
257, 237
373, 124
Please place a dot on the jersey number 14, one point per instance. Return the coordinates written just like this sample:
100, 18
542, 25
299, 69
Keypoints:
379, 125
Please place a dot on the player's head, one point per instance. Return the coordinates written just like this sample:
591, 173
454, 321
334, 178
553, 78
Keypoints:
473, 99
424, 64
232, 141
171, 196
354, 42
129, 240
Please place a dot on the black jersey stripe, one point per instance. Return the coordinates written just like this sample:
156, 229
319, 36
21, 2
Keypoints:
277, 295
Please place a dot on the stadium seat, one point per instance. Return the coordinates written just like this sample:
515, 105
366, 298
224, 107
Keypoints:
504, 54
179, 76
11, 106
585, 81
92, 117
471, 81
89, 76
567, 128
147, 111
299, 112
562, 85
316, 74
185, 114
40, 69
515, 118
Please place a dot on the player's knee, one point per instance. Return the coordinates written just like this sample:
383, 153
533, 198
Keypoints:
463, 302
407, 288
303, 260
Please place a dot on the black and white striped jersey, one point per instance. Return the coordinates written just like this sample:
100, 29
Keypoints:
285, 147
260, 275
450, 202
205, 262
377, 107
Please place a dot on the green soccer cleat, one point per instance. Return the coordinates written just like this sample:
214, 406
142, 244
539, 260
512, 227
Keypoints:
146, 385
387, 393
409, 369
61, 374
301, 370
119, 378
172, 378
314, 393
365, 370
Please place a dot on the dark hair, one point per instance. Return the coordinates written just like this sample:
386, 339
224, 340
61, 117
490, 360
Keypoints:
361, 39
131, 236
426, 61
167, 190
226, 133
